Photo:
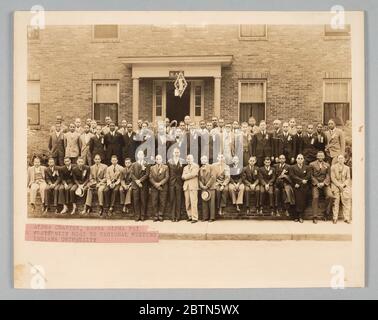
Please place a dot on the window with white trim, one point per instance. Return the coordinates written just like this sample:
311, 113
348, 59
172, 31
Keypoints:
336, 101
33, 102
253, 32
105, 100
252, 99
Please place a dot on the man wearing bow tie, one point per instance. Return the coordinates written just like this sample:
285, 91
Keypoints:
113, 143
190, 187
159, 176
267, 177
113, 182
335, 142
262, 144
80, 174
175, 184
139, 175
53, 183
251, 181
66, 176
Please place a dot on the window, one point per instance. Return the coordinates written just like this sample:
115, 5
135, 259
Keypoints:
159, 100
253, 32
342, 30
33, 32
336, 101
105, 100
252, 100
106, 32
33, 103
197, 101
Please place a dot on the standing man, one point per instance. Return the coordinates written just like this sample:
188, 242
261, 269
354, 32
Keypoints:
53, 183
36, 182
139, 176
293, 127
340, 177
80, 173
113, 182
175, 184
335, 142
267, 177
66, 176
96, 144
113, 143
56, 144
277, 131
251, 182
123, 130
97, 183
93, 126
221, 174
262, 144
253, 128
298, 141
206, 183
190, 187
159, 176
63, 127
320, 138
78, 127
71, 143
84, 144
247, 138
106, 128
236, 186
129, 143
309, 150
285, 145
300, 175
321, 181
283, 192
125, 189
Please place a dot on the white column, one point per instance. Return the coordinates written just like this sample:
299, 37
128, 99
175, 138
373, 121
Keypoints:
217, 96
135, 101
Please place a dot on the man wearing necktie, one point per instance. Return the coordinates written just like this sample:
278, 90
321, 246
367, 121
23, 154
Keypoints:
125, 189
190, 187
81, 174
113, 182
113, 143
335, 142
250, 177
53, 183
262, 144
96, 144
309, 150
267, 177
84, 143
175, 184
285, 145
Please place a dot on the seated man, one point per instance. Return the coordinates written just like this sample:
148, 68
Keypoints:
221, 174
283, 192
251, 182
53, 183
125, 188
113, 182
236, 186
66, 176
97, 183
36, 182
267, 177
80, 174
206, 182
321, 181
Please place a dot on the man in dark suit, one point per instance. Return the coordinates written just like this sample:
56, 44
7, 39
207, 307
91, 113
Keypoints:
96, 144
129, 143
309, 151
56, 144
53, 183
113, 143
320, 138
283, 192
285, 145
267, 177
251, 181
262, 144
80, 173
139, 175
66, 176
298, 141
175, 184
125, 188
159, 176
206, 183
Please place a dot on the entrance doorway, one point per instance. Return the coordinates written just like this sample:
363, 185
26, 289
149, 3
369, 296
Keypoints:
177, 107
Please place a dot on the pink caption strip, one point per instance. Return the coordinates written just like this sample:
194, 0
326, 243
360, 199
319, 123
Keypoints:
94, 234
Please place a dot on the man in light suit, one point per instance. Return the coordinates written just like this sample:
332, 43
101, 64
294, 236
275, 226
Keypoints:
321, 181
36, 182
221, 174
113, 182
335, 142
206, 183
53, 183
56, 144
71, 143
341, 187
190, 187
84, 144
159, 176
97, 183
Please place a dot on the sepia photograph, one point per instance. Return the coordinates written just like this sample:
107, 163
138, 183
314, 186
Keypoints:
192, 144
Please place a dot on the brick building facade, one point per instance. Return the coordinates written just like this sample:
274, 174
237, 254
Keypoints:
270, 71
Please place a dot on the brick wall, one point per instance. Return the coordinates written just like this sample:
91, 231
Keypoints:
293, 60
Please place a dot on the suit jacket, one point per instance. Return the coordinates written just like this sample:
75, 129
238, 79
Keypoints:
141, 173
98, 175
297, 175
113, 144
175, 173
276, 137
159, 175
31, 174
320, 141
96, 146
81, 175
190, 177
298, 144
320, 174
250, 175
83, 144
129, 146
205, 177
237, 176
285, 145
267, 176
340, 177
309, 151
221, 174
113, 174
335, 142
52, 175
262, 145
71, 143
66, 174
56, 144
282, 173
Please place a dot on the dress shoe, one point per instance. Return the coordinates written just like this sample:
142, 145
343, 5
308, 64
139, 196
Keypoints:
296, 220
141, 219
64, 210
124, 209
156, 219
220, 212
189, 219
56, 211
347, 221
248, 211
100, 211
211, 220
334, 221
73, 211
194, 221
161, 219
287, 214
237, 208
261, 212
300, 220
315, 221
272, 213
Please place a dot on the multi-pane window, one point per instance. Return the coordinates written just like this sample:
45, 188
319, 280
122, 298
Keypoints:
337, 30
337, 100
197, 101
158, 101
33, 103
106, 32
252, 100
105, 98
252, 31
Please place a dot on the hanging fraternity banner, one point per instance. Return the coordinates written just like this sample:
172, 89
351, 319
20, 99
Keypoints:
180, 84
